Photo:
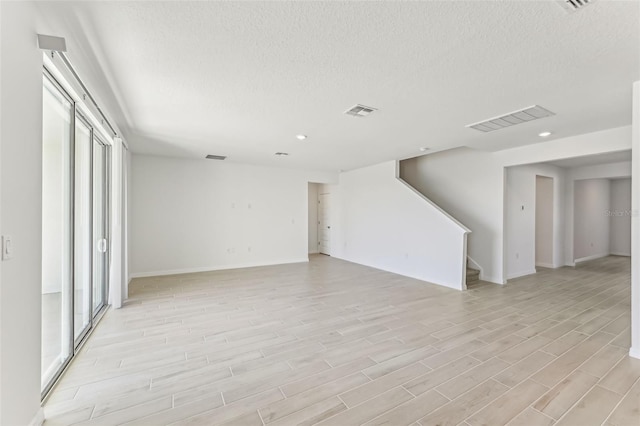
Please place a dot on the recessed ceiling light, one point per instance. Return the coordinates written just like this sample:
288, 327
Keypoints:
544, 134
424, 148
301, 137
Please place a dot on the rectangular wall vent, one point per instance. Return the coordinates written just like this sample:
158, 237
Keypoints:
216, 157
282, 153
574, 5
360, 110
517, 117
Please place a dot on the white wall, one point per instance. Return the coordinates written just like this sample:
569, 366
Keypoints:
20, 213
587, 144
635, 225
385, 224
544, 222
620, 218
191, 215
520, 218
117, 286
313, 217
592, 199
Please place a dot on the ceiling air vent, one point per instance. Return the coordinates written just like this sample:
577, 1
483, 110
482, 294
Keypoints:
574, 5
517, 117
360, 110
216, 157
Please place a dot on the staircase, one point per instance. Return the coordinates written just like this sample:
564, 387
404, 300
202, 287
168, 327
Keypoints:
473, 277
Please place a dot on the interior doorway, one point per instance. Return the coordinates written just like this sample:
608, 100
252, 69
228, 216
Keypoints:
544, 222
319, 218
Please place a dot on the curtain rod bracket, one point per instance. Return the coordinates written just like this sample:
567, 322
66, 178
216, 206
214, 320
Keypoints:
53, 43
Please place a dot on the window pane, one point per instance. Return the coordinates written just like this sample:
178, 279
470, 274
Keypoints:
56, 231
82, 230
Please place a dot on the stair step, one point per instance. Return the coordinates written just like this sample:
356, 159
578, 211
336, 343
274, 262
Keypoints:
473, 276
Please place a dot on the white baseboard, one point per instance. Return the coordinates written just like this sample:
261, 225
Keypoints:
214, 268
38, 419
592, 257
546, 265
521, 274
489, 279
634, 353
621, 254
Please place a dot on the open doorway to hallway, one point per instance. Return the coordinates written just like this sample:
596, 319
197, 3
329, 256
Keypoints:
602, 218
563, 212
544, 222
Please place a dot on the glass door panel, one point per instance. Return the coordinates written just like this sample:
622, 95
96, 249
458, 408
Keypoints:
76, 169
56, 231
82, 231
100, 242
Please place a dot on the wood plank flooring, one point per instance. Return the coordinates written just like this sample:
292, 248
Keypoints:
335, 343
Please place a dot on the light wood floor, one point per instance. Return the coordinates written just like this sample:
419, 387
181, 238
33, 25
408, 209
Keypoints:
336, 343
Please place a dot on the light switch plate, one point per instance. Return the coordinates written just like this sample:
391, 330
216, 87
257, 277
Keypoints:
7, 247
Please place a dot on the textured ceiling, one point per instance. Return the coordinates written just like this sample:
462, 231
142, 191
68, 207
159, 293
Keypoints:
243, 78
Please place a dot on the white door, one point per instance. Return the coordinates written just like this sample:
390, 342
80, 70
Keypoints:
324, 223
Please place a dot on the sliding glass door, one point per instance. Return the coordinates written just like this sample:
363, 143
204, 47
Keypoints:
75, 229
